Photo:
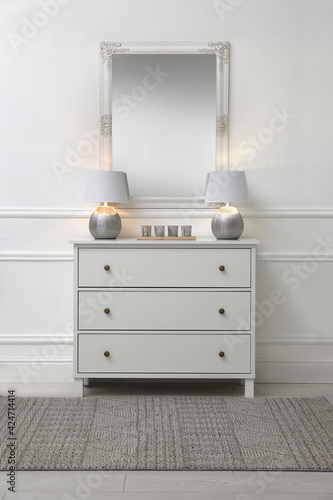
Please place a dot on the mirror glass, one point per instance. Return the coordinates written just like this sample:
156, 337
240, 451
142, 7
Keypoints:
164, 122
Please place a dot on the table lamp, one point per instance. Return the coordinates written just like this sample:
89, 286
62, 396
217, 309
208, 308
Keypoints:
108, 187
225, 186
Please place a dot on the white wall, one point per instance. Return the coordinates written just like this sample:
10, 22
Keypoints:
281, 63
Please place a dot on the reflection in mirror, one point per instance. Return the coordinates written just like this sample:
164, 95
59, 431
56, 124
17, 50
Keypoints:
164, 122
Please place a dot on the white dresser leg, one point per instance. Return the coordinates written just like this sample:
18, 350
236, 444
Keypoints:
85, 382
78, 387
249, 388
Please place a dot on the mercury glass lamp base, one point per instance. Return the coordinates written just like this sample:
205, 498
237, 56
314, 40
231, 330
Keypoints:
227, 223
105, 223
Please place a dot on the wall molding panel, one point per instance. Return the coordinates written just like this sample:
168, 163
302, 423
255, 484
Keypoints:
12, 339
62, 256
27, 256
45, 339
31, 355
293, 257
289, 213
294, 340
160, 207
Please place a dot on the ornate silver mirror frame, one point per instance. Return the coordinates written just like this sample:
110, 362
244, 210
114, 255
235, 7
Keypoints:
221, 51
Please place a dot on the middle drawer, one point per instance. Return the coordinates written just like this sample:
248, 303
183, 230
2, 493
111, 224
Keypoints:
164, 310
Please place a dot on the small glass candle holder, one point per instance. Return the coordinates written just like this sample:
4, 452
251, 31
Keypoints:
173, 231
146, 231
186, 230
159, 231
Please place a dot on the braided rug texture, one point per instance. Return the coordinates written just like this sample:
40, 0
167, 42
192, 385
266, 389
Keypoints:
170, 433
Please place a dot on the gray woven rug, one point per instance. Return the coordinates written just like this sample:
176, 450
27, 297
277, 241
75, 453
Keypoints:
170, 433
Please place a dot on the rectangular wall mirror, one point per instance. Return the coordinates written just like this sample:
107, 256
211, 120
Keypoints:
164, 117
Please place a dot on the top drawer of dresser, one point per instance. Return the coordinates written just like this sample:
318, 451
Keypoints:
163, 267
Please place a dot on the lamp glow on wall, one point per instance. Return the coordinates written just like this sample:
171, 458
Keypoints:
109, 188
225, 186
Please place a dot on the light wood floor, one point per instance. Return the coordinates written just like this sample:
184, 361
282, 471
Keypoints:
233, 485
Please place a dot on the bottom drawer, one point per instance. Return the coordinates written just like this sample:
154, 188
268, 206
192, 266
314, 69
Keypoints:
174, 353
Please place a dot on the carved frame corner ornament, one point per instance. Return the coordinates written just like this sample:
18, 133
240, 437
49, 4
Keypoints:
106, 125
107, 51
222, 126
221, 50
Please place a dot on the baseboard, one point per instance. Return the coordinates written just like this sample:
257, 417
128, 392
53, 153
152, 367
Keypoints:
17, 371
300, 372
307, 372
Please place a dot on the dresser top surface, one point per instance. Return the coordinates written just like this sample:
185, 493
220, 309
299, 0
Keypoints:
133, 242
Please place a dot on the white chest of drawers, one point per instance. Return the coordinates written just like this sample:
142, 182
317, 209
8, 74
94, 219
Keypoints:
164, 309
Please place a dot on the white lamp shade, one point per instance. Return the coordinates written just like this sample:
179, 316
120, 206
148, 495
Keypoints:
106, 186
225, 186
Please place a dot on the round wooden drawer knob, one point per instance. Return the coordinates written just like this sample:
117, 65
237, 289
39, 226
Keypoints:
106, 354
107, 310
221, 311
107, 268
221, 268
221, 354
